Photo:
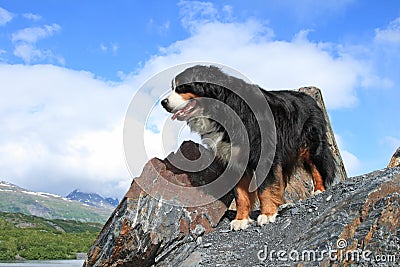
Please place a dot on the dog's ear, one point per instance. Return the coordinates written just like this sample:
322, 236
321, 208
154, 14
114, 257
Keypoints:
214, 91
202, 89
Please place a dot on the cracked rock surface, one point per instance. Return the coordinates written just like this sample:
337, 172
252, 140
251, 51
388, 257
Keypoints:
155, 226
334, 228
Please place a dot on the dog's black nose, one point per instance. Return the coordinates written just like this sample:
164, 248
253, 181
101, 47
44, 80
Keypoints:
164, 103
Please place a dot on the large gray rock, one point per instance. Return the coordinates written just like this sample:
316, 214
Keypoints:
155, 227
354, 223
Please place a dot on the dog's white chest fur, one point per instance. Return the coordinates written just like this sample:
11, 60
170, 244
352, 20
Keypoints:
211, 137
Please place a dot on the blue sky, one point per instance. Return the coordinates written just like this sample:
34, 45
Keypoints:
68, 70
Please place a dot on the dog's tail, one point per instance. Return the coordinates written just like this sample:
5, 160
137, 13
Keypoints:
320, 155
325, 162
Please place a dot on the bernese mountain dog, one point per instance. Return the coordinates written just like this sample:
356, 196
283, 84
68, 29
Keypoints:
299, 128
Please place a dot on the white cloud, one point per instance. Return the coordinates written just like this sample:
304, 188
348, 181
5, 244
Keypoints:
103, 47
160, 28
196, 12
27, 52
31, 16
351, 163
61, 128
33, 34
228, 12
390, 35
84, 149
25, 44
30, 53
1, 54
273, 64
5, 16
112, 47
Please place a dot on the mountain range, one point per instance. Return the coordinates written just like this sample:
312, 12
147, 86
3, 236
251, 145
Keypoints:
19, 200
93, 199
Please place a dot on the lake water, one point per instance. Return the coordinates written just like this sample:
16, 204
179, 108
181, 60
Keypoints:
58, 263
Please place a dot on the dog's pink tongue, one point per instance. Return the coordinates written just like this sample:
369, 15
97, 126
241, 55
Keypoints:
176, 114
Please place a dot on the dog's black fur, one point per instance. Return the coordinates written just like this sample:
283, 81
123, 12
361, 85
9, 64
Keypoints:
300, 124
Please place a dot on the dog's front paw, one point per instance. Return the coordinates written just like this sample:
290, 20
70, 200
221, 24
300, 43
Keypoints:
314, 193
240, 224
264, 219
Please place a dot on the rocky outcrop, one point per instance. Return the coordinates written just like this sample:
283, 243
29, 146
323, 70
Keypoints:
354, 223
156, 224
395, 160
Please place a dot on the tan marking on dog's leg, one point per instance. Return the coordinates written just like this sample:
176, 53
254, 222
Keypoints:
244, 203
271, 198
317, 178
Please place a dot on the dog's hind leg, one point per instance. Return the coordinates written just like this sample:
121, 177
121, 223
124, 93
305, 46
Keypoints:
271, 198
244, 203
312, 168
317, 178
324, 162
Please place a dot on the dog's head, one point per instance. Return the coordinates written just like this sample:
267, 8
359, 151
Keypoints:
192, 87
182, 102
187, 89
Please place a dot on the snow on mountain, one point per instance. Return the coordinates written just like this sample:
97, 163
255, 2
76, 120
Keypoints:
15, 199
92, 199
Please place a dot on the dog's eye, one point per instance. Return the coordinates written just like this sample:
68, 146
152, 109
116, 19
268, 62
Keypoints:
182, 89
